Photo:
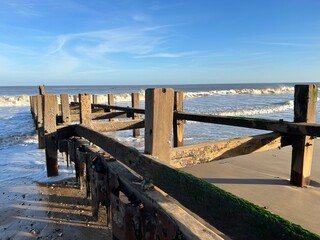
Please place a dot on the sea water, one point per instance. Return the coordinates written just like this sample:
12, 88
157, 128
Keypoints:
20, 157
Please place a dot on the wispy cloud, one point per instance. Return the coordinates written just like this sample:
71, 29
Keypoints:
168, 55
138, 41
291, 44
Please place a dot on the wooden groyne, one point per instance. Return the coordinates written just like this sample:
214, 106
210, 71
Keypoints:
141, 190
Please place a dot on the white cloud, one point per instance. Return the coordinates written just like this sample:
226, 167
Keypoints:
168, 55
118, 40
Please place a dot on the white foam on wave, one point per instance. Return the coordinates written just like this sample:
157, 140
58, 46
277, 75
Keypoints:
65, 172
259, 111
22, 101
245, 91
14, 101
124, 97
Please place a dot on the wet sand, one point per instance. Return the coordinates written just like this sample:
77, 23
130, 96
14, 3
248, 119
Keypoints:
51, 211
61, 211
263, 179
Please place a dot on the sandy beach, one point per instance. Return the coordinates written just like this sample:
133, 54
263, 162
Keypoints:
263, 179
49, 211
61, 211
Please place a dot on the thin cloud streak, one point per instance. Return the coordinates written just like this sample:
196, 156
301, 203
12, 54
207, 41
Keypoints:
168, 55
119, 40
290, 44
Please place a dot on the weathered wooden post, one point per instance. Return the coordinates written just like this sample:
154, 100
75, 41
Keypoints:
95, 99
50, 103
135, 104
178, 125
110, 100
42, 90
41, 141
111, 103
34, 109
305, 102
65, 109
75, 98
85, 119
158, 122
85, 109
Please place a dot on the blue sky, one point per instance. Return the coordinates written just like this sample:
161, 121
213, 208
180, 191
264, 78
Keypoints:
61, 42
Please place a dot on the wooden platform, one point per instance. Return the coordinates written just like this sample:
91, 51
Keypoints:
264, 179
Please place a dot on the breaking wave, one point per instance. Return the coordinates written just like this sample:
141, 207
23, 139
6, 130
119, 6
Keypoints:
22, 101
259, 111
245, 91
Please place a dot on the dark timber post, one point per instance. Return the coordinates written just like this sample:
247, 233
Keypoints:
41, 141
42, 90
111, 103
85, 109
111, 99
65, 108
34, 107
85, 119
135, 104
178, 125
50, 129
95, 99
158, 122
305, 102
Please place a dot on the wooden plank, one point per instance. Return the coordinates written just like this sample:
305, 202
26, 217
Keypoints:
178, 125
65, 109
111, 101
158, 122
217, 150
101, 115
41, 140
214, 205
33, 107
85, 109
42, 90
95, 99
74, 110
305, 103
50, 103
75, 98
35, 112
39, 111
156, 199
135, 104
311, 129
124, 109
117, 125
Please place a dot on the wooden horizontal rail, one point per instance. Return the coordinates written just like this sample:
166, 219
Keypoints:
217, 150
154, 198
311, 129
117, 125
105, 115
124, 109
195, 194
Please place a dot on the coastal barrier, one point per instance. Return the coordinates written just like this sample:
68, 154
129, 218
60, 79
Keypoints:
136, 187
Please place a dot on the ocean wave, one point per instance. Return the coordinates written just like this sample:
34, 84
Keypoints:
14, 101
245, 91
259, 110
17, 139
22, 101
124, 97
